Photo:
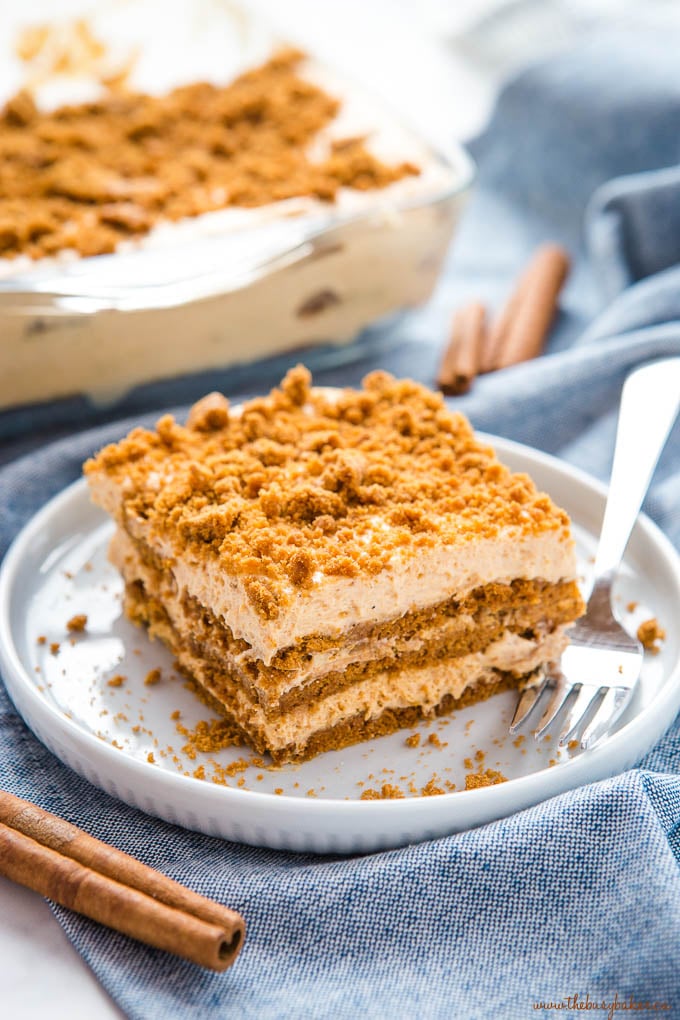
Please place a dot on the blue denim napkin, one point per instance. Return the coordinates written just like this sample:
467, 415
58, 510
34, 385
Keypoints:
578, 897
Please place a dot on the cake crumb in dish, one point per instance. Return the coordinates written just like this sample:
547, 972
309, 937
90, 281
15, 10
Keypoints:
387, 792
209, 737
486, 777
413, 740
650, 634
116, 681
431, 789
152, 677
77, 623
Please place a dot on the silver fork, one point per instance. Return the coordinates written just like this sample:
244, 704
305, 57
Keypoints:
594, 680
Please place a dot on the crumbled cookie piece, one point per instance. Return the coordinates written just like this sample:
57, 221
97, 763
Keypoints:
387, 792
650, 633
486, 777
211, 736
431, 789
77, 623
210, 414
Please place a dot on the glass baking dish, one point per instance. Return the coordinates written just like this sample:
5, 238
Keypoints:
197, 297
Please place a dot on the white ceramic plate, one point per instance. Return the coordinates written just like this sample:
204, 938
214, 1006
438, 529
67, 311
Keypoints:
125, 738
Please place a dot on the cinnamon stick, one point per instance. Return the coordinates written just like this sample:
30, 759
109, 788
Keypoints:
463, 355
521, 330
58, 860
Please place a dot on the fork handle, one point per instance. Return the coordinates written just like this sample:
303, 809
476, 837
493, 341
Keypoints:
650, 402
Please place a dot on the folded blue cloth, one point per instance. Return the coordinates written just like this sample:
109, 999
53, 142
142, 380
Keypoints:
576, 897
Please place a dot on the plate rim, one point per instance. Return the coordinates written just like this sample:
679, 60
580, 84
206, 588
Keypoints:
582, 768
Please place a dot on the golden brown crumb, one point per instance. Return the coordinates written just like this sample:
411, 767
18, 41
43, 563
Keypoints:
116, 681
41, 640
386, 792
287, 491
54, 647
519, 740
573, 745
150, 758
69, 48
199, 772
650, 633
212, 736
176, 714
77, 623
413, 740
210, 414
240, 765
487, 777
152, 677
431, 789
631, 607
278, 791
87, 177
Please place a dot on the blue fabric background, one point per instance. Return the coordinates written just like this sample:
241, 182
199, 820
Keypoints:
577, 896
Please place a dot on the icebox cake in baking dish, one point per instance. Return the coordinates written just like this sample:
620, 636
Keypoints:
211, 201
329, 566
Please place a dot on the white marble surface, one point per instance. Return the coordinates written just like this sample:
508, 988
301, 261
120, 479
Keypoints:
40, 972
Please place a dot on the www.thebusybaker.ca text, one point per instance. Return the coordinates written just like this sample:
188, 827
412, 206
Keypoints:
584, 1003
